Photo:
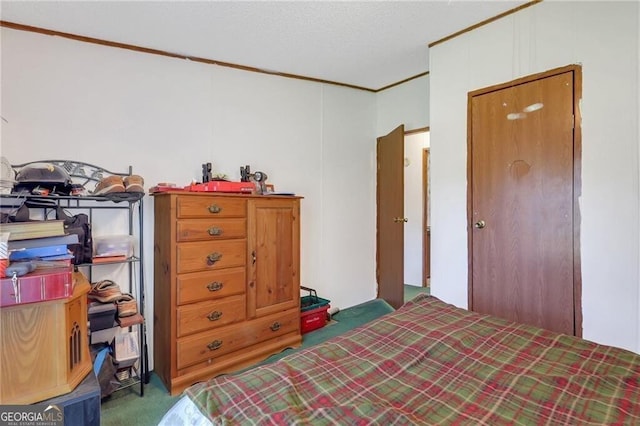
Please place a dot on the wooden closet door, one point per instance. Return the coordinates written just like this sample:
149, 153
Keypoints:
273, 255
522, 202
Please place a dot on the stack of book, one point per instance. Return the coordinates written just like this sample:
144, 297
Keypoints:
33, 229
43, 243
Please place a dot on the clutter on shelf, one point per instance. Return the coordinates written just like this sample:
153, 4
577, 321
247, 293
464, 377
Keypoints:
46, 236
69, 178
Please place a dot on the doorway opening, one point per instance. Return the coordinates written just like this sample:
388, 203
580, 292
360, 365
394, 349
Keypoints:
417, 229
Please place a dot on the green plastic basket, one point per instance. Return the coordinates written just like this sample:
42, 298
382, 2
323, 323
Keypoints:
312, 301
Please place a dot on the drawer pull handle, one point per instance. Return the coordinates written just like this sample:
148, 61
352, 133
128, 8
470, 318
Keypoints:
214, 316
213, 258
275, 326
214, 286
214, 208
215, 231
215, 345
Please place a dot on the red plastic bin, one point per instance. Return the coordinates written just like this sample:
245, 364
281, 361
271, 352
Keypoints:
313, 319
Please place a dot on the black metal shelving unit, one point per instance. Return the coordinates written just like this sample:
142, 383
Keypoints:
87, 176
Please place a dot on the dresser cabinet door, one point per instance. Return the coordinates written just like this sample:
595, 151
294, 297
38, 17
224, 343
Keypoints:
273, 256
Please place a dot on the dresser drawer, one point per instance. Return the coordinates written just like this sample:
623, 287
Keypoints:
210, 229
220, 341
199, 286
210, 314
209, 255
198, 206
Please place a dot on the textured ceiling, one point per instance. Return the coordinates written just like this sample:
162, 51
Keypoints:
369, 44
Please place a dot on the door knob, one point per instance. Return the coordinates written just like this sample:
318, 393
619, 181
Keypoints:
400, 219
480, 224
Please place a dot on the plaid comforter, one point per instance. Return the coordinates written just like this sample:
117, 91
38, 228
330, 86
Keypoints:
433, 363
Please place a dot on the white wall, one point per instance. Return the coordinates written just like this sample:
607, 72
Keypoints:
347, 230
603, 37
114, 108
407, 104
637, 137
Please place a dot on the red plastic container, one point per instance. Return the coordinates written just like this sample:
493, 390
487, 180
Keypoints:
313, 319
222, 186
37, 286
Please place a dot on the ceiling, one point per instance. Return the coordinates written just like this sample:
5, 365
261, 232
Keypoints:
369, 44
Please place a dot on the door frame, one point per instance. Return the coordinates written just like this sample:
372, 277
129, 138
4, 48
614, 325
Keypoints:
426, 246
426, 229
577, 180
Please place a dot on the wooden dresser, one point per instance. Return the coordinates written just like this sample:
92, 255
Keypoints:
227, 283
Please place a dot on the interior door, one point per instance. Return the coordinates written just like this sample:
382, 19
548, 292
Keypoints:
522, 226
390, 217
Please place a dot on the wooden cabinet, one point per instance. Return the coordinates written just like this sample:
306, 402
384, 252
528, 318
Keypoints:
43, 347
227, 283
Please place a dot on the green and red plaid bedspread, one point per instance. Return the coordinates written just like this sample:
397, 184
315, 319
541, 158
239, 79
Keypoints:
432, 363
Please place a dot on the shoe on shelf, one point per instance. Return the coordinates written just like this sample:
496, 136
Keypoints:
127, 305
134, 183
105, 291
109, 185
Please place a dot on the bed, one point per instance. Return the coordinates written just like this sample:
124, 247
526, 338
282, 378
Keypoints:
428, 363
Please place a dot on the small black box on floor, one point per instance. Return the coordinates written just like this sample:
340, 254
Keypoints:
101, 315
82, 406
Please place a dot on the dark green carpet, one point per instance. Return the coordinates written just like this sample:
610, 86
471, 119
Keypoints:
126, 407
411, 291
